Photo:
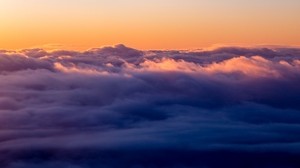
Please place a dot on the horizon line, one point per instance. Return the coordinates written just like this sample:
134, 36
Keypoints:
57, 47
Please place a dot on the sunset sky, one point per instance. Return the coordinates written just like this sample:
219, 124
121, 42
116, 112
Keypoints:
145, 24
149, 83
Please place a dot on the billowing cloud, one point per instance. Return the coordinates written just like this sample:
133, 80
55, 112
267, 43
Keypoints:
121, 107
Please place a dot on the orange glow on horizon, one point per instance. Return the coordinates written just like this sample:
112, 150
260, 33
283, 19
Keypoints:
176, 24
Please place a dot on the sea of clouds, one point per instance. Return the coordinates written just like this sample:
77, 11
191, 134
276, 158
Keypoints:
122, 107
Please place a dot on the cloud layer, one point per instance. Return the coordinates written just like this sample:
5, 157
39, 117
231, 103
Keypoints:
121, 107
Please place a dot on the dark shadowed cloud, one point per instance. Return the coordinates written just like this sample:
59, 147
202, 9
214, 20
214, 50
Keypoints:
121, 107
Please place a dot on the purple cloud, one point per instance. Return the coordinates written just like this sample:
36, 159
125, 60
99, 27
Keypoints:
117, 106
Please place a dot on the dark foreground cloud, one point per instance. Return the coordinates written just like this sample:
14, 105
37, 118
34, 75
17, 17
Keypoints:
121, 107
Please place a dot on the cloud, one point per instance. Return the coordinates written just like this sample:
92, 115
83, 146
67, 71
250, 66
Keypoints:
115, 106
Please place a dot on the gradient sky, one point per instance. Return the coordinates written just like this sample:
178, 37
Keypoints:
145, 24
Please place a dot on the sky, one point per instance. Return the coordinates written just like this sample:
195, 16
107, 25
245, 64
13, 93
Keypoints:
144, 24
81, 87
